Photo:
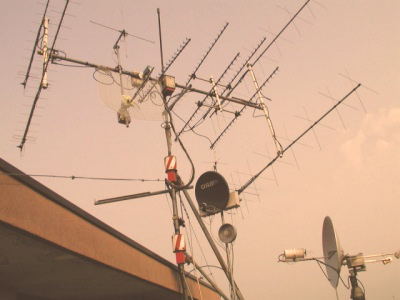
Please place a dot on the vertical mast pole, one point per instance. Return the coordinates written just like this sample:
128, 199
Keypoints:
175, 216
159, 33
191, 259
168, 136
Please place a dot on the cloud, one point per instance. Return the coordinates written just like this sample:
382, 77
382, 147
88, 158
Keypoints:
379, 136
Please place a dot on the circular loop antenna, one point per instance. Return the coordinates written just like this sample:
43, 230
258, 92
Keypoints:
212, 192
227, 233
333, 252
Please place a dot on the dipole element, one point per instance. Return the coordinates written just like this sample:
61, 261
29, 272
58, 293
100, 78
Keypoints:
260, 97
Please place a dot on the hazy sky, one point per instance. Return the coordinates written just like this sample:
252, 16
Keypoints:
351, 172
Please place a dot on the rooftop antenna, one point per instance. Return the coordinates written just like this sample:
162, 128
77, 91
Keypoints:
228, 88
237, 114
174, 183
43, 81
249, 103
246, 185
334, 258
229, 85
217, 198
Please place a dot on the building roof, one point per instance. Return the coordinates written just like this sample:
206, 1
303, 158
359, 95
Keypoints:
52, 249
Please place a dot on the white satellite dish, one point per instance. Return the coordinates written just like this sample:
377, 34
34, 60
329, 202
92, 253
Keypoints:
333, 252
334, 258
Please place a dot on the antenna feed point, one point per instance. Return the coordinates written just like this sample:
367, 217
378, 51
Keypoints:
387, 260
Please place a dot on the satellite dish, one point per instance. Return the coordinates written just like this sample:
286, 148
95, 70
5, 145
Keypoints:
212, 192
333, 252
227, 233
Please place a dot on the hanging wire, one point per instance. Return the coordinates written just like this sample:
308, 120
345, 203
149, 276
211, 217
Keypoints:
362, 286
194, 232
171, 121
103, 72
73, 177
190, 240
218, 243
187, 285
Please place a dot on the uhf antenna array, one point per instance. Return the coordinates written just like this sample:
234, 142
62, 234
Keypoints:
212, 191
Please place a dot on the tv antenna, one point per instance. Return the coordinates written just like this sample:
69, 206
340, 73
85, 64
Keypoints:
279, 155
46, 52
334, 258
212, 192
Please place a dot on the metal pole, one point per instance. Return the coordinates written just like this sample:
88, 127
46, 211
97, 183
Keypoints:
159, 32
212, 244
175, 216
214, 285
175, 219
356, 292
136, 74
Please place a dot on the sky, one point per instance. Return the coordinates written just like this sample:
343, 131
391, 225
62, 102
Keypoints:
347, 168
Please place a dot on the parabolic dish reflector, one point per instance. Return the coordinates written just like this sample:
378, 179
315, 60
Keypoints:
333, 252
212, 192
148, 104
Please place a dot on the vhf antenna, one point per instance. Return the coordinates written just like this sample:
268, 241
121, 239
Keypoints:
297, 139
43, 81
277, 144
